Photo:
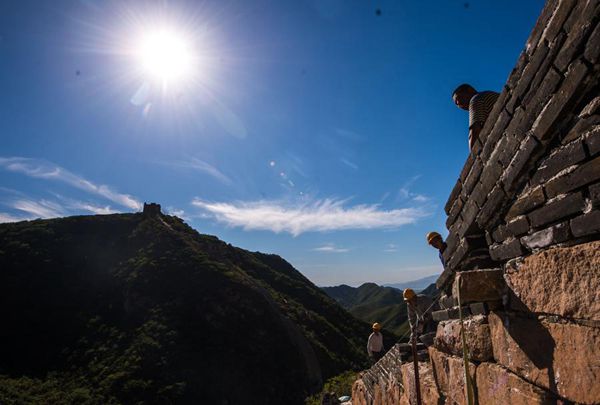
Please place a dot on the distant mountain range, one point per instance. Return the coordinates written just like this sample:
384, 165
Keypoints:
417, 285
134, 308
373, 303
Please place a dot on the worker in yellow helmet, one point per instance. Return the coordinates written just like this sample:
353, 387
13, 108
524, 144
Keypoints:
435, 240
419, 315
375, 343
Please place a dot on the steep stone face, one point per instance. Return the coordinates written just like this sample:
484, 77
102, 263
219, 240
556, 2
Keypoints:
560, 357
449, 373
498, 386
479, 285
429, 391
562, 281
477, 332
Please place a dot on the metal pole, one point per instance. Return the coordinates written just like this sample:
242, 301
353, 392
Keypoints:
413, 337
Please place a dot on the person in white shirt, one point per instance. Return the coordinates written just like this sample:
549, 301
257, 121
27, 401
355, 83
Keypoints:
375, 343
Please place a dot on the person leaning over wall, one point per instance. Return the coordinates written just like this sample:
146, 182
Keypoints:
435, 240
479, 105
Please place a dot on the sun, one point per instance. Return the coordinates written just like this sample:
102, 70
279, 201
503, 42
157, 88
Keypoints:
166, 56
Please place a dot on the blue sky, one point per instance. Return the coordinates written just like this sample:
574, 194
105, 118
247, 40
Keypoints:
320, 130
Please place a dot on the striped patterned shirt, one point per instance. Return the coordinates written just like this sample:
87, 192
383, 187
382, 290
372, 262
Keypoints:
480, 106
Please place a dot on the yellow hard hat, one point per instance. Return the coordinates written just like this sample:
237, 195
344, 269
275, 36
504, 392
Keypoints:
376, 326
433, 235
409, 294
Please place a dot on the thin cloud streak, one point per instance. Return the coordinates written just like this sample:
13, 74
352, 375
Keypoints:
319, 216
6, 217
201, 166
41, 209
46, 170
330, 248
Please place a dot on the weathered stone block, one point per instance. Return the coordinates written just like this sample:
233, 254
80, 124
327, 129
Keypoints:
518, 226
454, 211
584, 174
440, 315
556, 22
447, 301
586, 224
547, 237
471, 179
479, 285
563, 281
527, 202
582, 126
562, 358
592, 48
507, 250
498, 386
594, 190
552, 111
556, 210
577, 26
592, 141
477, 334
537, 31
495, 134
453, 195
429, 391
560, 159
449, 372
444, 279
490, 208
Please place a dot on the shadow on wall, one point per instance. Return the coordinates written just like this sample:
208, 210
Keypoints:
534, 340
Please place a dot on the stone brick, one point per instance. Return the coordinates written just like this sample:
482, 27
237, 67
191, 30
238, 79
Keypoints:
452, 243
582, 126
440, 315
529, 72
491, 206
477, 334
468, 226
586, 224
560, 159
556, 210
472, 178
450, 375
444, 279
447, 301
479, 285
592, 141
499, 234
527, 202
453, 195
556, 22
495, 134
592, 48
542, 127
466, 168
594, 190
429, 391
478, 308
593, 107
518, 226
539, 27
507, 250
511, 177
578, 25
498, 386
563, 281
454, 211
547, 237
487, 132
458, 255
562, 358
454, 312
584, 174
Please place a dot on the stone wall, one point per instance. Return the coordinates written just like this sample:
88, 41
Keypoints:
524, 233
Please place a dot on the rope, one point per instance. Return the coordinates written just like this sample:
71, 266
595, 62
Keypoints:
424, 312
468, 382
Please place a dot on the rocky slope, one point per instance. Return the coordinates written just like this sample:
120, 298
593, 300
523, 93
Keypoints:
135, 308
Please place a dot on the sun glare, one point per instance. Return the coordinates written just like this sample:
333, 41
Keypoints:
166, 56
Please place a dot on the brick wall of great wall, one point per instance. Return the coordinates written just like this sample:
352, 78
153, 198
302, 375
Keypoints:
524, 238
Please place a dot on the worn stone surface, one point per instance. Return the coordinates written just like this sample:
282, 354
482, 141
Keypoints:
562, 358
449, 373
560, 159
477, 332
557, 209
527, 202
479, 285
507, 250
584, 174
512, 175
429, 390
498, 386
586, 224
563, 281
592, 140
547, 237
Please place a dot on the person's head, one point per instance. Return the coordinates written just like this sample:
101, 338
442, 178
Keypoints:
376, 327
435, 239
409, 295
462, 95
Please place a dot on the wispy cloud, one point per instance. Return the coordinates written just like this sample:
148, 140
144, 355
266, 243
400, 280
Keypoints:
94, 209
46, 170
330, 248
300, 217
349, 163
39, 209
5, 217
390, 248
405, 193
201, 166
